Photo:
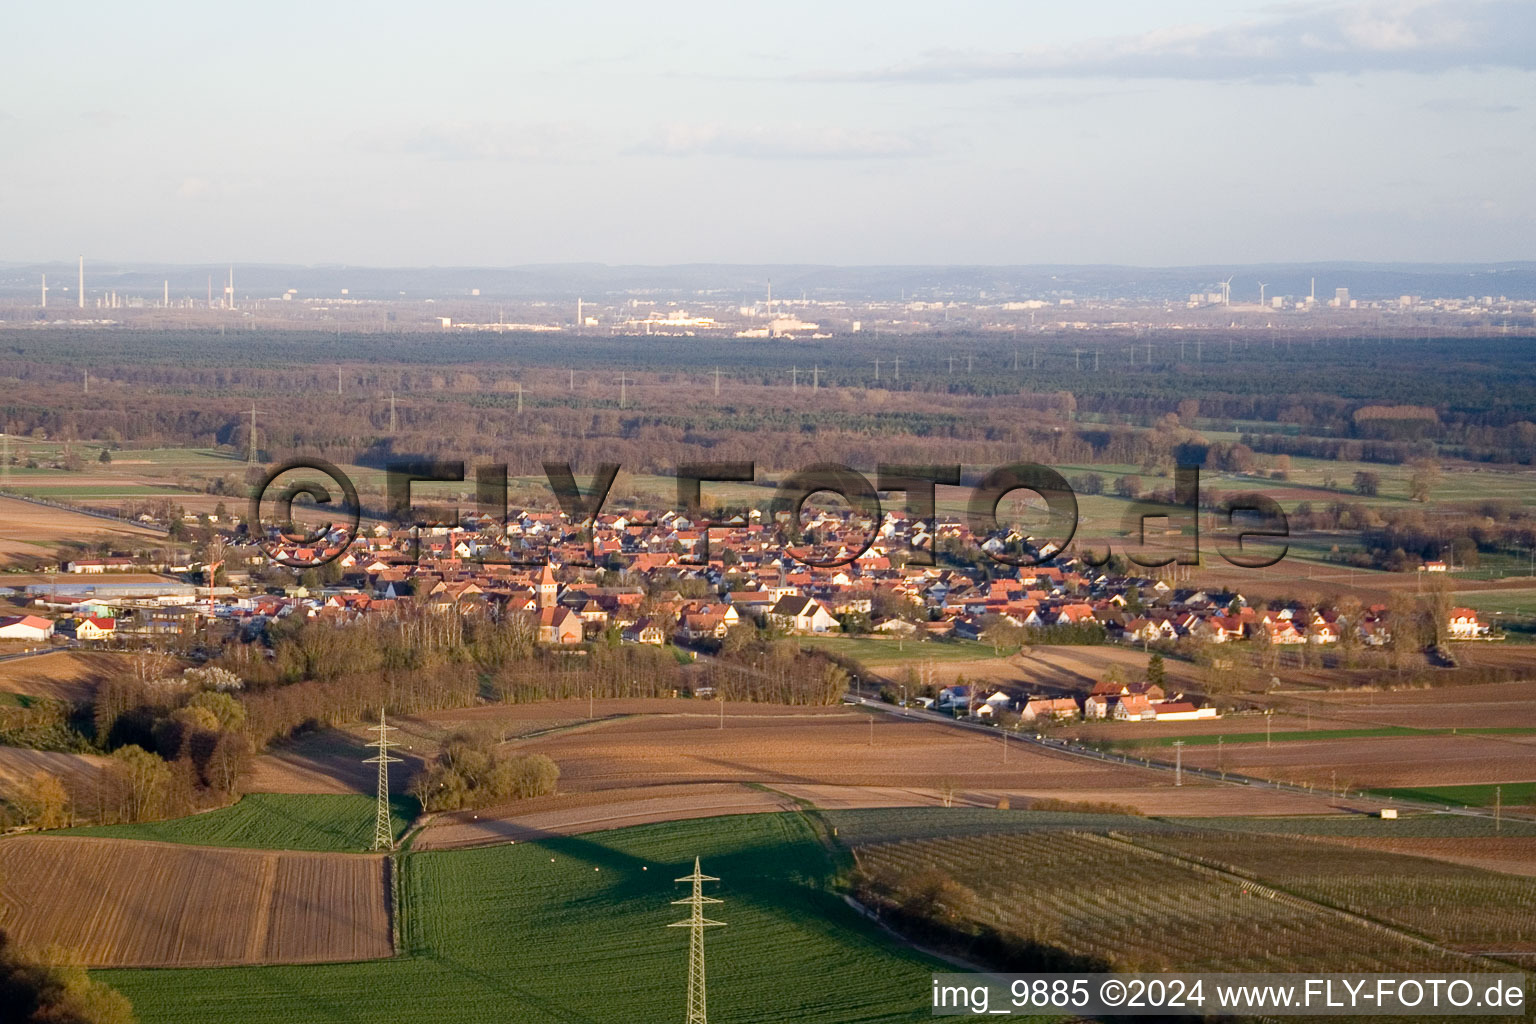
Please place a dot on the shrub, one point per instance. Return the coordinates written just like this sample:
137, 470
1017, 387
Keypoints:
472, 772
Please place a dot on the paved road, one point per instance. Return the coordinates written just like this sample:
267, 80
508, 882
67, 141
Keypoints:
72, 645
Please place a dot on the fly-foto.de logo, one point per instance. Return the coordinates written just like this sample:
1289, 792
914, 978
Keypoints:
1250, 528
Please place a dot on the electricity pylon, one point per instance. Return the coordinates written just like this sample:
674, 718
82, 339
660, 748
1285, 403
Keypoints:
383, 829
696, 924
250, 442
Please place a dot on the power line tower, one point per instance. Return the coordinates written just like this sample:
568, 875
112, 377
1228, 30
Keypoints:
696, 924
250, 441
383, 831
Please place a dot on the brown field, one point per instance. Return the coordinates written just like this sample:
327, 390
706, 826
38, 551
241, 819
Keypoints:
1379, 761
825, 756
65, 675
809, 745
331, 761
1514, 855
120, 903
326, 762
1052, 668
662, 760
19, 764
1490, 705
574, 813
29, 532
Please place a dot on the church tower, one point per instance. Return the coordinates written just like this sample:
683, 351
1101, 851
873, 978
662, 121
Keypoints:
548, 588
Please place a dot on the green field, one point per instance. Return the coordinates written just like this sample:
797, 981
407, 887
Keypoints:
1510, 794
272, 821
1514, 601
575, 930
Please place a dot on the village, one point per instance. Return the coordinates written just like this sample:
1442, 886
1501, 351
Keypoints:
658, 578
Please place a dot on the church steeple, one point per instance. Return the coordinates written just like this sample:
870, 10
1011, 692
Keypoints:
549, 590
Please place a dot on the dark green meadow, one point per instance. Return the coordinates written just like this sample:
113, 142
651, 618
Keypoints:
574, 930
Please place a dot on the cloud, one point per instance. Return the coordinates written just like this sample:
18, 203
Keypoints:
1293, 43
1056, 99
1467, 105
463, 140
784, 142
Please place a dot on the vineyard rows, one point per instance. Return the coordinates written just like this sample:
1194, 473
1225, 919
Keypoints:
1092, 897
1464, 907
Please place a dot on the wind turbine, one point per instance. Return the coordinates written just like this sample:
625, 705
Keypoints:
1226, 292
1262, 286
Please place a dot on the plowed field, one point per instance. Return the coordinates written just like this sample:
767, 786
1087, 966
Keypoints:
117, 903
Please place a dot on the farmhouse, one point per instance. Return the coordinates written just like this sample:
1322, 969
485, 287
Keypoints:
1057, 708
1134, 708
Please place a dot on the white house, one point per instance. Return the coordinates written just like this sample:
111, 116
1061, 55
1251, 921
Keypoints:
25, 627
93, 627
1463, 624
1180, 711
800, 614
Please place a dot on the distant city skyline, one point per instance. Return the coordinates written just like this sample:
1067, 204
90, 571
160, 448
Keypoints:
1195, 133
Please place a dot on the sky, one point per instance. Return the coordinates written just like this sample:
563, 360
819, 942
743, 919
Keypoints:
843, 132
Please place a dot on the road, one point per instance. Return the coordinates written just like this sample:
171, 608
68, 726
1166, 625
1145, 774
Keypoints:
39, 652
81, 510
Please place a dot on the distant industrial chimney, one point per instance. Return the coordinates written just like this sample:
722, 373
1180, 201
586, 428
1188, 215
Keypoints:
82, 282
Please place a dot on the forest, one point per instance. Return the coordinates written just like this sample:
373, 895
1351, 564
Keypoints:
1034, 399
